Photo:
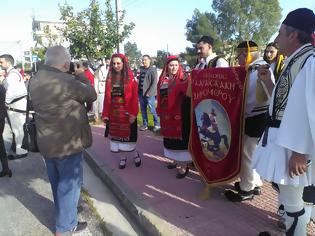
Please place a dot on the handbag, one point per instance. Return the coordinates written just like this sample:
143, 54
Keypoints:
29, 141
106, 129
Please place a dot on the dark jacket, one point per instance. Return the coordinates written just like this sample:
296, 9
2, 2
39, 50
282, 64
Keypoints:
150, 82
60, 117
3, 110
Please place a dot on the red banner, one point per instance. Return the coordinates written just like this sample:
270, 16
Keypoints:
218, 97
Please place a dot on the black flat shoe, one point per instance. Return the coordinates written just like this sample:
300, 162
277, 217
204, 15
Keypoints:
182, 175
16, 156
6, 173
122, 163
257, 190
171, 166
137, 160
238, 196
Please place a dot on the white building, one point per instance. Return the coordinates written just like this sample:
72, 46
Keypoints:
48, 33
17, 50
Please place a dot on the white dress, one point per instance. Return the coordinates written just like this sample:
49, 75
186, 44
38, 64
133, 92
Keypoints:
296, 132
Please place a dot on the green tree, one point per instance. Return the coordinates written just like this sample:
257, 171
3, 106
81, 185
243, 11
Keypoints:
40, 52
47, 38
92, 32
247, 19
161, 58
134, 55
200, 24
232, 22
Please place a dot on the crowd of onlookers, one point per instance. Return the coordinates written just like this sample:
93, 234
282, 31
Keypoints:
278, 140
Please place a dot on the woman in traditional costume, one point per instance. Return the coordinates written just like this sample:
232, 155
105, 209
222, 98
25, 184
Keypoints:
174, 111
274, 59
120, 110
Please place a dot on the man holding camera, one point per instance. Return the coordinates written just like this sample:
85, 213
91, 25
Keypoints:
63, 132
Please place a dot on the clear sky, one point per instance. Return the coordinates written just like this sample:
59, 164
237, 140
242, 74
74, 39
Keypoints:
159, 24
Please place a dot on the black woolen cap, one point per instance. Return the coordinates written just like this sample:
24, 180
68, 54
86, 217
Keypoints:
206, 39
302, 19
244, 44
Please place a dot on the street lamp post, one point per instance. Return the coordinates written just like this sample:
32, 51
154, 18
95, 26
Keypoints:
120, 47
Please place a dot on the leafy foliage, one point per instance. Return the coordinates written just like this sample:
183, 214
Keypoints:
161, 56
44, 40
134, 55
48, 38
40, 52
93, 33
247, 19
233, 21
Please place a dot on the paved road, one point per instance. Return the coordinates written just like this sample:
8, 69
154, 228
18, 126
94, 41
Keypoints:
26, 206
167, 206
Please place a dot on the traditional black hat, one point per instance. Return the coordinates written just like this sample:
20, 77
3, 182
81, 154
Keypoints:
302, 19
206, 39
247, 46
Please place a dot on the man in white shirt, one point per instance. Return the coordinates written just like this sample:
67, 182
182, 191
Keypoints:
255, 121
285, 154
207, 58
16, 107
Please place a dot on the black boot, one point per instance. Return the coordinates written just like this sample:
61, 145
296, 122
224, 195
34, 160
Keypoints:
257, 190
182, 175
238, 196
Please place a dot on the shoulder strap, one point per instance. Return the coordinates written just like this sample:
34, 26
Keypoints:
21, 78
28, 102
16, 99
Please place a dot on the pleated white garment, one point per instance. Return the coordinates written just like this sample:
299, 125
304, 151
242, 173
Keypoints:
296, 132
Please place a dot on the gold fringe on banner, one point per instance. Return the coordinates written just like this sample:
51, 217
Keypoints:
206, 192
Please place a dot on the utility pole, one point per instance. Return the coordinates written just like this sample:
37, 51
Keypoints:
120, 47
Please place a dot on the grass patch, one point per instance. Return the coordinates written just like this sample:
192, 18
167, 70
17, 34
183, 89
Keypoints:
87, 198
150, 118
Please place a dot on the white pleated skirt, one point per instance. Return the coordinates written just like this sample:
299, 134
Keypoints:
116, 146
177, 155
272, 163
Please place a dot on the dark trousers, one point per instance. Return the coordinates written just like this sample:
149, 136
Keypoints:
3, 154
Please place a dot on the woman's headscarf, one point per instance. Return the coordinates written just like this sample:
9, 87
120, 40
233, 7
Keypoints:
172, 85
180, 72
126, 71
129, 85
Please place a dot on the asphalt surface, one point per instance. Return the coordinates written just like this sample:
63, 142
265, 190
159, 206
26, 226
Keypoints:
26, 205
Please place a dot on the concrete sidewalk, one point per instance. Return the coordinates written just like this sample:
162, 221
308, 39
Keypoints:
163, 205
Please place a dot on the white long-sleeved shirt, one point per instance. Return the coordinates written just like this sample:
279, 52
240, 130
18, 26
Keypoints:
254, 107
14, 85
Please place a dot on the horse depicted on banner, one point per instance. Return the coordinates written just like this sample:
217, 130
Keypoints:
217, 122
214, 144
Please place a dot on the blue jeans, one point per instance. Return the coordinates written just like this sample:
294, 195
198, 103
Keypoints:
144, 102
66, 178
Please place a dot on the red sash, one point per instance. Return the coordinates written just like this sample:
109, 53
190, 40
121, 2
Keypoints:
119, 126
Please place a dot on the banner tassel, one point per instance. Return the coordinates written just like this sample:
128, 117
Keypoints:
206, 193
